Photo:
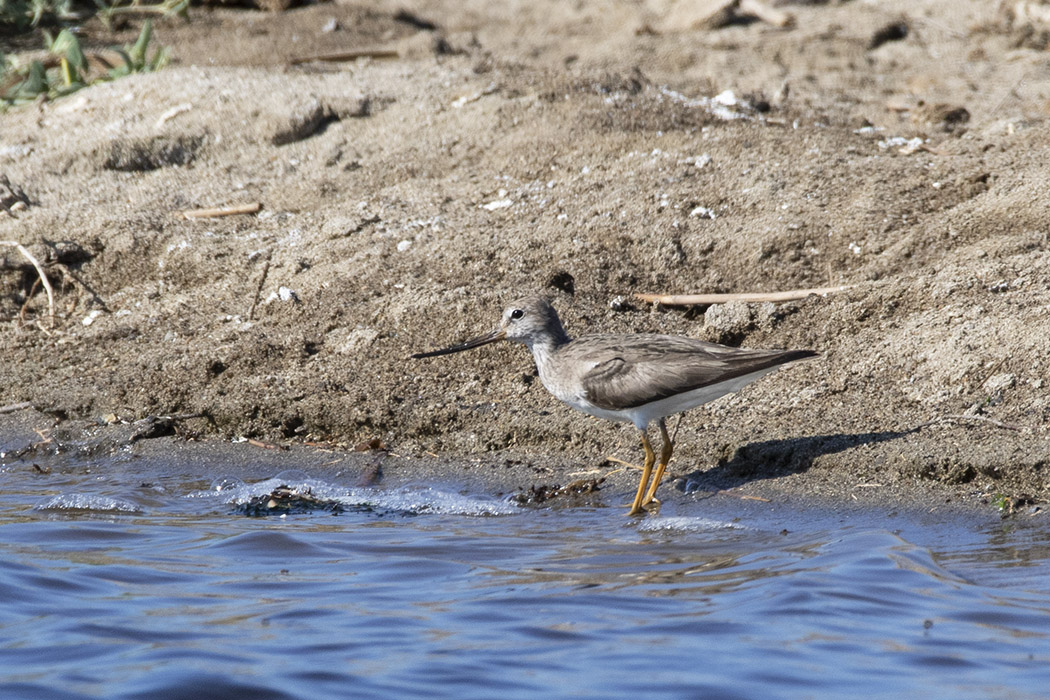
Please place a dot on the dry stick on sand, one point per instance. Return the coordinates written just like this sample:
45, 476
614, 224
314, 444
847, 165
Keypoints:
341, 56
43, 277
259, 287
690, 299
222, 211
68, 276
29, 298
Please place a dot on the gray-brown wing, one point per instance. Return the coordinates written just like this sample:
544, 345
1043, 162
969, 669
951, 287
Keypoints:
642, 369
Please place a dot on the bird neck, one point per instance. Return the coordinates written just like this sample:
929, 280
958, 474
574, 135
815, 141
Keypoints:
545, 346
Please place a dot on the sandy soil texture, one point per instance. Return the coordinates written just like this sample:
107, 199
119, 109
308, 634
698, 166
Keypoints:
589, 150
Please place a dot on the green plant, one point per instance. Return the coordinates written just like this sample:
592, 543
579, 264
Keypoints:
22, 14
67, 68
71, 58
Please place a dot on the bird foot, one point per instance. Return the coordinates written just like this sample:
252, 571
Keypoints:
646, 508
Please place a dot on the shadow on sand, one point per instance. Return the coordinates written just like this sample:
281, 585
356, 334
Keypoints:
776, 458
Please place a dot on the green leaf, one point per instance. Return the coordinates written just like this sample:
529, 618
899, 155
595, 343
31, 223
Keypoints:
138, 51
34, 84
67, 46
127, 68
160, 58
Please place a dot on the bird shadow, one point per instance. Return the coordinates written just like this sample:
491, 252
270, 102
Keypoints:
771, 459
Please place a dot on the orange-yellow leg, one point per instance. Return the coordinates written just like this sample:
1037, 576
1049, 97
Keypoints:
647, 470
665, 457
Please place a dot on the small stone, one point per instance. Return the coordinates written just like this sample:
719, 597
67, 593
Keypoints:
729, 319
497, 204
999, 382
355, 342
894, 31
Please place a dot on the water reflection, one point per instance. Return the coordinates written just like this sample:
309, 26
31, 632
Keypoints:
1011, 553
704, 569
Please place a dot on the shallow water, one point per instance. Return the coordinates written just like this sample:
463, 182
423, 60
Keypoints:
134, 578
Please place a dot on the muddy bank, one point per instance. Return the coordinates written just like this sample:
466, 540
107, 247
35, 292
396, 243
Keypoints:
590, 153
526, 480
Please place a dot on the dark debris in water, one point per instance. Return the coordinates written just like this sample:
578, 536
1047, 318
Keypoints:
1015, 505
544, 493
373, 445
286, 499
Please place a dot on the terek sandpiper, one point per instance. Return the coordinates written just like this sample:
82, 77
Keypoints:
629, 378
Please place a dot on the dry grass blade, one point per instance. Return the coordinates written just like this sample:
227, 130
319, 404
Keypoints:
43, 277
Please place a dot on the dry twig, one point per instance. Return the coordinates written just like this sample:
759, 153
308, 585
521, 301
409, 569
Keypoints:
264, 445
341, 56
217, 212
617, 460
29, 298
69, 276
692, 299
43, 277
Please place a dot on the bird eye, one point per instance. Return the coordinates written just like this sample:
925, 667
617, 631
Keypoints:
516, 314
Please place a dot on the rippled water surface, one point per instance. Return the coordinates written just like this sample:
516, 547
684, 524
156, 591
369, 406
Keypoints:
139, 579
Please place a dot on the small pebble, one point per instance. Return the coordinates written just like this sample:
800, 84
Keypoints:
497, 204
